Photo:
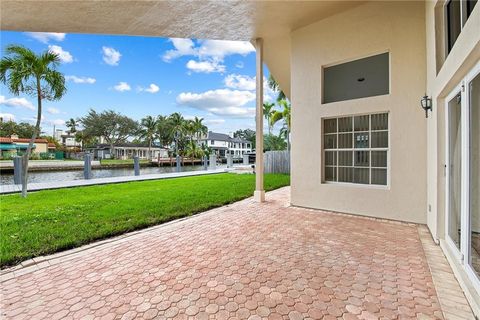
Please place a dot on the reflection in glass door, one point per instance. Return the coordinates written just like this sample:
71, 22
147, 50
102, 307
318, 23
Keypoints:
474, 107
454, 169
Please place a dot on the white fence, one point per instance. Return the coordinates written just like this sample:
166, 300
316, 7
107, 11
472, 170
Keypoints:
277, 162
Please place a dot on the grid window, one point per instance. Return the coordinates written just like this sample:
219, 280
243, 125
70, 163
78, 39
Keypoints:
356, 149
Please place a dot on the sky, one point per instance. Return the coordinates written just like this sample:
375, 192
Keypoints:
140, 76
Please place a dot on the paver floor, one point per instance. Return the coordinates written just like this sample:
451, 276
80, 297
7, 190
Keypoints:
245, 260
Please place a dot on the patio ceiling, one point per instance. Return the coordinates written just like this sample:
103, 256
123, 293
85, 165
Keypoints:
225, 20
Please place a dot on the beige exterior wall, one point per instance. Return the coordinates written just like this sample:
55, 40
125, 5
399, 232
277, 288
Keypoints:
372, 28
443, 75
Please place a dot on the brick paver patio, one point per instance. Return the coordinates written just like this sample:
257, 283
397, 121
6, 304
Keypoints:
245, 260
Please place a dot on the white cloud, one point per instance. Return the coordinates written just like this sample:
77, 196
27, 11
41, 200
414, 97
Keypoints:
76, 79
7, 117
122, 86
205, 66
16, 102
239, 65
45, 37
224, 102
111, 56
183, 47
56, 122
241, 82
152, 88
52, 110
214, 121
63, 55
220, 48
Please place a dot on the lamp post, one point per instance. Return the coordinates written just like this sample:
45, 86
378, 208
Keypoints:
426, 104
177, 157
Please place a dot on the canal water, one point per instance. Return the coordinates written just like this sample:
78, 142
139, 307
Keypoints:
69, 175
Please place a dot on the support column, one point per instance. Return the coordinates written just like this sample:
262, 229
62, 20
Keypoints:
259, 194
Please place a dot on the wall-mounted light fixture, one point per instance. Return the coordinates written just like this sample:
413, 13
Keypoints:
426, 104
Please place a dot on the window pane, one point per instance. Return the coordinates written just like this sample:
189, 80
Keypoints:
361, 175
345, 124
345, 174
379, 176
453, 8
470, 5
345, 158
474, 90
361, 140
362, 158
380, 121
330, 173
379, 159
345, 140
361, 123
330, 126
330, 158
380, 139
330, 141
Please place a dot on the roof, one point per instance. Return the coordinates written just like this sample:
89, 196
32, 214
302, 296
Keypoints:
273, 21
5, 140
224, 137
51, 145
21, 140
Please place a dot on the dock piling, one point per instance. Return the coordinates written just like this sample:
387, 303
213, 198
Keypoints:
17, 170
136, 165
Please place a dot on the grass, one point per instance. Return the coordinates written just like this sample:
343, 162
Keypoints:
54, 220
118, 161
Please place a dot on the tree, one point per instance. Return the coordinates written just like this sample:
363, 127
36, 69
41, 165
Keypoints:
23, 71
22, 129
199, 128
272, 84
147, 131
284, 115
71, 125
268, 112
84, 139
177, 127
193, 150
246, 134
112, 126
164, 131
272, 142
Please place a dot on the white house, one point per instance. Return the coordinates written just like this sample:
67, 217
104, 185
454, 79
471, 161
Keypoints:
67, 140
223, 144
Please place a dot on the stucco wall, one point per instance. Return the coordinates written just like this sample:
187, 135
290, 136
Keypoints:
366, 30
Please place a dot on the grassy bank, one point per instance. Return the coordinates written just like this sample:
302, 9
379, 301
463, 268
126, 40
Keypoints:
54, 220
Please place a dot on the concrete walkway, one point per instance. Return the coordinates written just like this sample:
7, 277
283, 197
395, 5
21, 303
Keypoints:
242, 261
12, 188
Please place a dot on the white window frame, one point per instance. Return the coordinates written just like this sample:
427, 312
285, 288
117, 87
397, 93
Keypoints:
353, 149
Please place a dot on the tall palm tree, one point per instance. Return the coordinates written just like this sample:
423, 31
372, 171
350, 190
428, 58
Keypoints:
177, 127
199, 128
272, 84
164, 132
23, 71
285, 115
71, 125
268, 112
147, 131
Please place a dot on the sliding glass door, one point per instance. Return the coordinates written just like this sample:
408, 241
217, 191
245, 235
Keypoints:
463, 174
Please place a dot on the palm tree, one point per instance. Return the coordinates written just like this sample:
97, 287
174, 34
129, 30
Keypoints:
177, 127
147, 131
193, 151
284, 115
71, 125
199, 128
164, 132
268, 112
272, 83
23, 71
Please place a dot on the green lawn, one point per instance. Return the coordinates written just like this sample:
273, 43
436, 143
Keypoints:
55, 220
118, 161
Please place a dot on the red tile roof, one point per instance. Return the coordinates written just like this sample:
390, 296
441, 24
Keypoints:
51, 145
24, 140
5, 140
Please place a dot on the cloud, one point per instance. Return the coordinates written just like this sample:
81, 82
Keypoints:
241, 82
55, 122
220, 48
239, 65
45, 37
152, 88
52, 110
63, 55
183, 47
205, 66
16, 103
224, 102
122, 86
214, 121
111, 56
7, 117
76, 79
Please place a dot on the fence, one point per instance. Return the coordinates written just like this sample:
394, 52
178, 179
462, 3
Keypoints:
276, 162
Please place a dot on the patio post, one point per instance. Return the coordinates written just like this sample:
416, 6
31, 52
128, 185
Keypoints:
259, 194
